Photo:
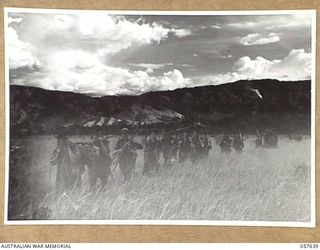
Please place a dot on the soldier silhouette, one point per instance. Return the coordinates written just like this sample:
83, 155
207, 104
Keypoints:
225, 144
126, 154
184, 147
152, 150
238, 144
169, 146
196, 147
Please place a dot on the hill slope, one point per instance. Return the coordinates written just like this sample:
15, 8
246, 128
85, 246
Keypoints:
244, 105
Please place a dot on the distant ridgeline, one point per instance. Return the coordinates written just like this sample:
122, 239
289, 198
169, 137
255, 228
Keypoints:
243, 105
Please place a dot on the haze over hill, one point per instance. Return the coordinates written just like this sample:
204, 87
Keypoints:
244, 105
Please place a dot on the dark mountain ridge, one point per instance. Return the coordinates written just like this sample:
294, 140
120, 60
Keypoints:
243, 105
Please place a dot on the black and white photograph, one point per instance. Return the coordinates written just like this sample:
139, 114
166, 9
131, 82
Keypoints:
160, 117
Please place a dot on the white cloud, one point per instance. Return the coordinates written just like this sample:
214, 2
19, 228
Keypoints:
149, 70
174, 79
20, 53
259, 39
105, 34
83, 72
216, 27
226, 56
181, 32
186, 65
219, 78
11, 20
74, 50
117, 33
295, 66
90, 24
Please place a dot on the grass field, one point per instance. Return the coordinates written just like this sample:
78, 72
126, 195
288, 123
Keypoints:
257, 185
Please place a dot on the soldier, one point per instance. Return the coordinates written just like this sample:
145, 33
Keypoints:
238, 144
206, 146
126, 154
184, 147
225, 144
270, 139
259, 141
101, 162
151, 155
169, 149
61, 158
196, 147
76, 160
158, 152
296, 137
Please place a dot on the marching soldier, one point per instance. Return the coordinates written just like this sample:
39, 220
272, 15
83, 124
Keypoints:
270, 139
126, 154
238, 144
259, 141
169, 149
61, 158
184, 147
225, 144
196, 147
100, 168
152, 150
206, 147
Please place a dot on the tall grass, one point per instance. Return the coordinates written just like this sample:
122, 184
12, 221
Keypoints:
259, 184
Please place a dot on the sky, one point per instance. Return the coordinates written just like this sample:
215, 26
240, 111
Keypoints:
99, 54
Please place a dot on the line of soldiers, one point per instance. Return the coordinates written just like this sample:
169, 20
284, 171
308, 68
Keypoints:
268, 139
227, 143
172, 148
72, 159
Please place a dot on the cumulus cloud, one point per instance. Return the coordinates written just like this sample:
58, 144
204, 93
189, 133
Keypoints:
112, 33
295, 66
105, 34
83, 72
149, 70
78, 52
75, 51
20, 53
259, 39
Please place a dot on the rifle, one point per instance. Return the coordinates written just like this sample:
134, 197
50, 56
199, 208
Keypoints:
198, 124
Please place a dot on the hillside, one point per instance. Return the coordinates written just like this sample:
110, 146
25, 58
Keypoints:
244, 105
